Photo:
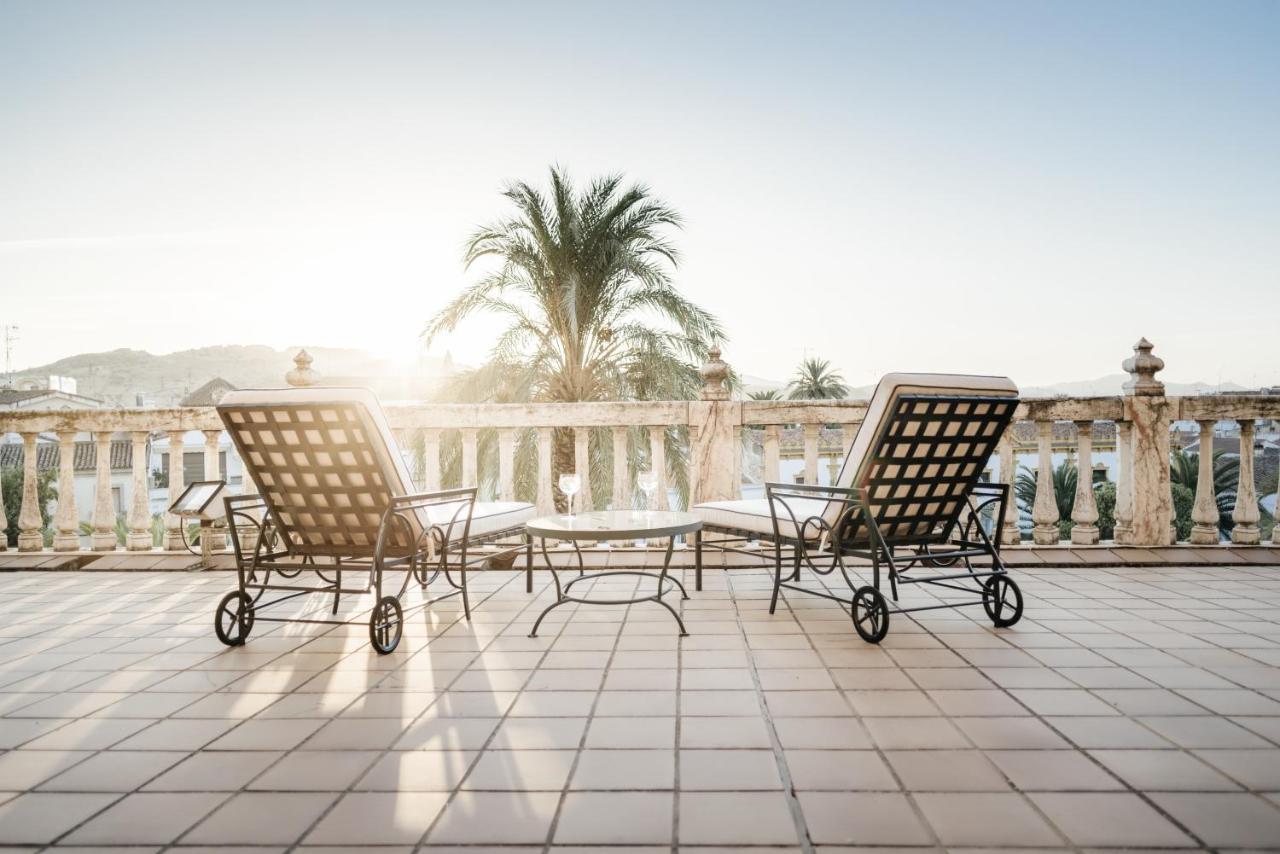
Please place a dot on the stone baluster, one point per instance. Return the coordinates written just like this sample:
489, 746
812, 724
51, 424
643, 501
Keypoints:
4, 519
715, 461
139, 538
545, 501
30, 520
1245, 514
1124, 483
772, 452
582, 465
811, 453
621, 494
177, 475
1010, 534
67, 518
1205, 512
507, 464
213, 471
847, 432
658, 460
431, 458
1045, 511
104, 514
1147, 411
1084, 512
470, 450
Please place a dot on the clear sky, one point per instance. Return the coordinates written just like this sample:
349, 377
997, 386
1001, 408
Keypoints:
1015, 187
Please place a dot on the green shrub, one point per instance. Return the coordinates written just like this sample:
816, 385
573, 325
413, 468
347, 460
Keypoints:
1183, 500
1104, 495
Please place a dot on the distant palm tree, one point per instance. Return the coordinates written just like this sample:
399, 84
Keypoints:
1064, 489
583, 279
815, 380
1184, 469
767, 394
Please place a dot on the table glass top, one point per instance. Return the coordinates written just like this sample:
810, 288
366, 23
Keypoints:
606, 524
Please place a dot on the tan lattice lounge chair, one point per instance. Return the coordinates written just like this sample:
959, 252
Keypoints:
908, 496
336, 497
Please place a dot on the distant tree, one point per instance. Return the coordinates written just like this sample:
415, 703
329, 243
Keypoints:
767, 394
816, 380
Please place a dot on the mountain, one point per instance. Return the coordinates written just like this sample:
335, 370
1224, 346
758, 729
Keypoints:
120, 376
1107, 386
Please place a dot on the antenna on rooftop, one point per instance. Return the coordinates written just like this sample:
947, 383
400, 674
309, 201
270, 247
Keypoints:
10, 338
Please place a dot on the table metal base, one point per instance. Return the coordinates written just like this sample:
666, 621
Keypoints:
664, 580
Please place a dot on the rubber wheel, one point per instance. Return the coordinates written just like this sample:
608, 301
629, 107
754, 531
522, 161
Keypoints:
226, 620
1002, 600
386, 625
870, 614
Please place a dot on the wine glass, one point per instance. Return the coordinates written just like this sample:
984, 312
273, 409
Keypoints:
569, 485
648, 482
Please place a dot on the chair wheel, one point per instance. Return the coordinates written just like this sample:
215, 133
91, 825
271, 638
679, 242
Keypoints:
1002, 600
386, 625
227, 619
870, 614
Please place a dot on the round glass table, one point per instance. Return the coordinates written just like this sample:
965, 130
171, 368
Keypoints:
603, 525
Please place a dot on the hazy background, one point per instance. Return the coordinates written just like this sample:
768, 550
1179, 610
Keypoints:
860, 181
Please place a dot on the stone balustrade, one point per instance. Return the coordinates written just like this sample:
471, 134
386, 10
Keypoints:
710, 435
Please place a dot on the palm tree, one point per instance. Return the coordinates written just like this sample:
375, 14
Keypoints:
767, 394
583, 277
815, 380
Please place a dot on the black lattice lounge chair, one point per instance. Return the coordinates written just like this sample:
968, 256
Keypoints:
337, 499
908, 499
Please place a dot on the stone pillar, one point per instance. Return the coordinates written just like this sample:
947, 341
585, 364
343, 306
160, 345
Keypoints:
431, 458
213, 471
139, 538
30, 520
714, 422
1245, 514
658, 460
545, 499
506, 464
772, 454
1124, 483
104, 514
470, 452
1010, 534
582, 465
4, 522
621, 495
1045, 511
1205, 511
67, 517
1084, 513
1147, 411
173, 523
811, 453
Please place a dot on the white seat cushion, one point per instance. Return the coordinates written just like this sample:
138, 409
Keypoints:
487, 517
752, 514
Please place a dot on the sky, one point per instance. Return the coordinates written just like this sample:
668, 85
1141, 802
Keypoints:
1021, 188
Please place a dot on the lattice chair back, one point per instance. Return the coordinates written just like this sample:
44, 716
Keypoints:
327, 466
920, 450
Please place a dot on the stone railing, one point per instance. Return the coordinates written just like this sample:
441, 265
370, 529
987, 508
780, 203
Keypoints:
711, 434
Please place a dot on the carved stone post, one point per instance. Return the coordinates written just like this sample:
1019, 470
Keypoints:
1010, 534
1147, 411
658, 459
139, 538
30, 520
811, 453
772, 452
104, 514
714, 422
213, 471
1045, 511
431, 458
545, 500
302, 375
1205, 511
582, 465
67, 517
470, 452
1084, 513
173, 522
4, 524
506, 464
1124, 483
621, 495
1245, 514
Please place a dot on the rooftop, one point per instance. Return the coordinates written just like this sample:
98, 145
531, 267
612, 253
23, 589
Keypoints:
1131, 707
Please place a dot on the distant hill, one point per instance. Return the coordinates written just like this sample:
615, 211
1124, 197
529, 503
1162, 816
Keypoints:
119, 376
1102, 387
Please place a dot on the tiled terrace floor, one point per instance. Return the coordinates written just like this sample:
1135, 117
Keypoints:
1131, 708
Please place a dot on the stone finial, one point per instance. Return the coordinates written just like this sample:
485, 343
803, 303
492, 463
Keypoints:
1142, 367
302, 376
715, 374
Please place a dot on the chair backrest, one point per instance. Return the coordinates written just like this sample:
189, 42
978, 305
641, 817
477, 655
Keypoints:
920, 450
327, 466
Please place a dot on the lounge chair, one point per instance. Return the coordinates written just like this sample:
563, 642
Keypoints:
908, 496
336, 497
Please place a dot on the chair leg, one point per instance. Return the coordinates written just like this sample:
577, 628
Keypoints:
697, 560
528, 563
337, 588
462, 575
777, 575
